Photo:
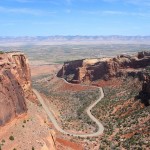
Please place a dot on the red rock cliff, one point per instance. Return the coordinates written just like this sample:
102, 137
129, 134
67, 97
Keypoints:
145, 92
88, 70
15, 85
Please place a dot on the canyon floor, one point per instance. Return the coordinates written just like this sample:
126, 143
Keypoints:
125, 118
56, 94
34, 131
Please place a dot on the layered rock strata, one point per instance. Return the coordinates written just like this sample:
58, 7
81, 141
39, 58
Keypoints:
15, 85
88, 70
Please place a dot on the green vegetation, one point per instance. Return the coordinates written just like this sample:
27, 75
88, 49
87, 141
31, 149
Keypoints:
120, 113
11, 138
24, 121
61, 53
1, 52
77, 102
40, 105
3, 141
117, 110
85, 98
147, 70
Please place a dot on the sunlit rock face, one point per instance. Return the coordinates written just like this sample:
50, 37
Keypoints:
87, 70
15, 85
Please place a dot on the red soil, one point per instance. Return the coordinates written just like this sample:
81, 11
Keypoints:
102, 83
141, 131
72, 145
73, 87
44, 69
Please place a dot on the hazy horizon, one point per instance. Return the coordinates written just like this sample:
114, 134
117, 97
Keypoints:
12, 36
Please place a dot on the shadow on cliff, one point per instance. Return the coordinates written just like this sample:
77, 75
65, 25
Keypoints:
144, 98
14, 103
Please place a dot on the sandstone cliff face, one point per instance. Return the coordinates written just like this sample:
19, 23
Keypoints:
145, 92
88, 70
15, 85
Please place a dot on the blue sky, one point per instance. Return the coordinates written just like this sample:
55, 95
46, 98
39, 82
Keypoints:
74, 17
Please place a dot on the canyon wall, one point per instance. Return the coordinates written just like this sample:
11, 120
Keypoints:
144, 95
15, 85
88, 70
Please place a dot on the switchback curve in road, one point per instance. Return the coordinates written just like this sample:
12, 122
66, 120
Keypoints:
88, 111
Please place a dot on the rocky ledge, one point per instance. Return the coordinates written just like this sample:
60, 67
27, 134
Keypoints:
88, 70
144, 95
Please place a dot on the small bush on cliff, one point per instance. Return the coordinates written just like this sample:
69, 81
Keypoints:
24, 121
3, 141
40, 105
11, 138
148, 70
1, 52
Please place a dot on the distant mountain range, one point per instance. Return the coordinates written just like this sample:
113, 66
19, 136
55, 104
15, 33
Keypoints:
55, 40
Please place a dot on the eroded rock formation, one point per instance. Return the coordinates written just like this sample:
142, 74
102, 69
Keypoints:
88, 70
15, 85
144, 95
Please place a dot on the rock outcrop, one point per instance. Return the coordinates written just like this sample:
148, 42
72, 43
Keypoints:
88, 70
15, 85
144, 95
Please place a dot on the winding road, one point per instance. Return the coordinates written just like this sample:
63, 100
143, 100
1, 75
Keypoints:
88, 110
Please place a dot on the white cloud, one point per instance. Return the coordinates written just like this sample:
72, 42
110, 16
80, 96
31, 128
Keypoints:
139, 2
24, 1
68, 11
54, 2
105, 12
110, 12
114, 12
24, 11
110, 0
45, 23
69, 2
8, 24
134, 2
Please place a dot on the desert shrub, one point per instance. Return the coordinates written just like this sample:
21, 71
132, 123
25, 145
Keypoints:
40, 105
24, 121
3, 141
11, 138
